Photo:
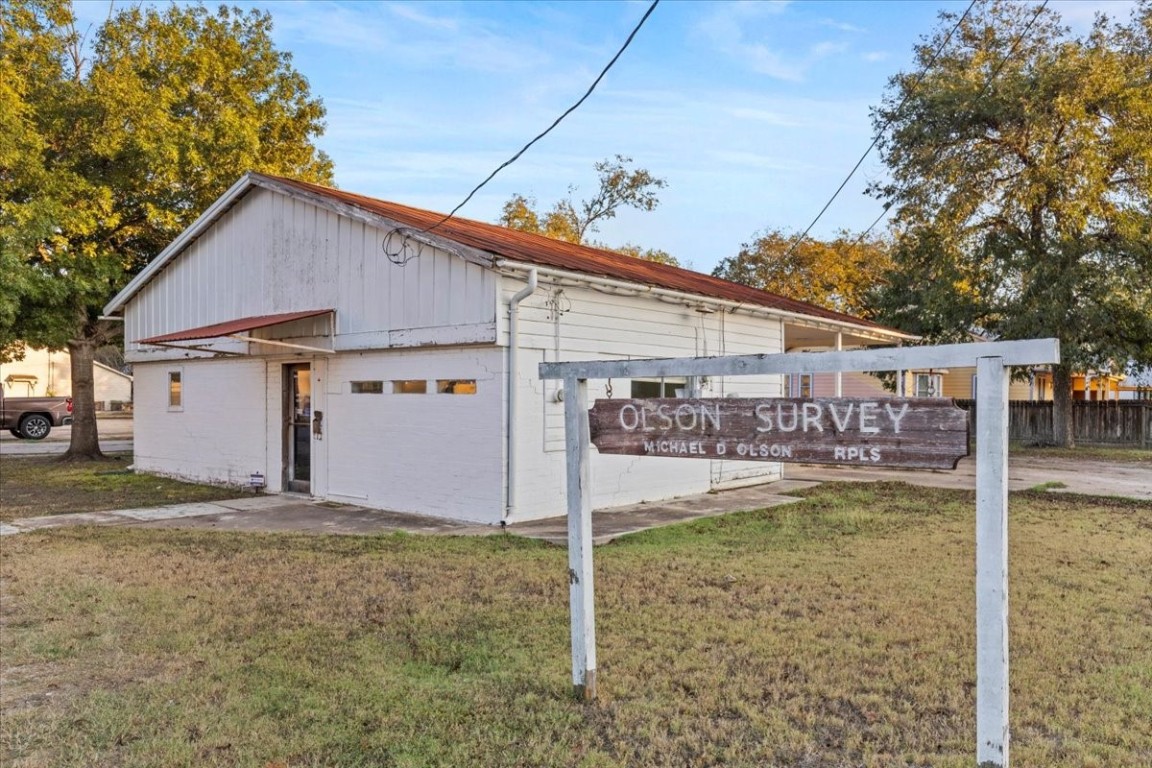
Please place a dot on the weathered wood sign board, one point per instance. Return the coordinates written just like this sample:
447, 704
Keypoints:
880, 432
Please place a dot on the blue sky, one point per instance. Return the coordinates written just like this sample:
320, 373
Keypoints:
752, 111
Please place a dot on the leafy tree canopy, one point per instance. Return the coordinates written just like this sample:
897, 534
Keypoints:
836, 274
1021, 179
107, 152
620, 187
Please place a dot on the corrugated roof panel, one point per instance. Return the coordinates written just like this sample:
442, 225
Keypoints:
218, 330
542, 251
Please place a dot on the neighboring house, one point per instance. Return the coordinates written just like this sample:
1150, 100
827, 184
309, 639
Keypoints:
1137, 386
49, 374
960, 383
371, 353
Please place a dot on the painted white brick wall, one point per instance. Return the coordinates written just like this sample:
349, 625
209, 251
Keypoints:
218, 434
434, 454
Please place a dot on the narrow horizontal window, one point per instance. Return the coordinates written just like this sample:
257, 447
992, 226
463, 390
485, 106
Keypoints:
456, 386
409, 386
368, 387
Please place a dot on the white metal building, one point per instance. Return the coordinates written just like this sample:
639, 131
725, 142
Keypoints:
362, 352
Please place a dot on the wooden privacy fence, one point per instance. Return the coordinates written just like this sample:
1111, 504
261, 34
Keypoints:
1099, 423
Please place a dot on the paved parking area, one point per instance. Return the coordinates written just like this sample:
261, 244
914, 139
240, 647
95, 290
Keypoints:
115, 432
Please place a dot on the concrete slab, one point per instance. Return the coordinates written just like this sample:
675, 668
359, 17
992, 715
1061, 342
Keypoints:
611, 524
252, 502
173, 511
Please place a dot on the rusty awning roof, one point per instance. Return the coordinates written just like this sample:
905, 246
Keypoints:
220, 330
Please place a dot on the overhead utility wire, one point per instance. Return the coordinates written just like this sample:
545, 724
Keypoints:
983, 90
556, 122
851, 173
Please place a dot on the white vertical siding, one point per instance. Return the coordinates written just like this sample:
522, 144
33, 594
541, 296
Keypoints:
580, 323
272, 254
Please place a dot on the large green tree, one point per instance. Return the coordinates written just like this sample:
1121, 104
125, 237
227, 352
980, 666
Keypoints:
1021, 180
620, 186
109, 149
838, 274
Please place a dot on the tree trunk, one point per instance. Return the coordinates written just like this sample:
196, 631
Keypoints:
1063, 432
85, 439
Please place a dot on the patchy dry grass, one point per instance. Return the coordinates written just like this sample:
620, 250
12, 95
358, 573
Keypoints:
33, 486
833, 632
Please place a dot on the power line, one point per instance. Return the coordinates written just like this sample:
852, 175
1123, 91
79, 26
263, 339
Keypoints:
915, 85
556, 122
983, 90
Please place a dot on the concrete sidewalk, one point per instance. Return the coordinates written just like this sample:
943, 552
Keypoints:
299, 514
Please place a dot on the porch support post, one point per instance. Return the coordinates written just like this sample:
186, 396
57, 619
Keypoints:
839, 374
580, 589
991, 563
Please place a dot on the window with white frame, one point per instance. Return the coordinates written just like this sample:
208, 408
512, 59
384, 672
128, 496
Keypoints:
798, 385
456, 386
409, 386
176, 390
928, 385
367, 387
669, 387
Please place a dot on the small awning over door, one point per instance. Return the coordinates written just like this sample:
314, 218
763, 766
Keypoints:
232, 329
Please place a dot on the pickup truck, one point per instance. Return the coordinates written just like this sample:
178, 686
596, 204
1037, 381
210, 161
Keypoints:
32, 418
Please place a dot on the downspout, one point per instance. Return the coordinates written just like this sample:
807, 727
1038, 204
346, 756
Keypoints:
513, 386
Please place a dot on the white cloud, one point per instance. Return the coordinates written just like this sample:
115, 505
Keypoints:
826, 48
843, 26
413, 14
874, 56
405, 34
1079, 14
731, 29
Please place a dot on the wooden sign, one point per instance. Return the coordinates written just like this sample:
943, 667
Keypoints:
929, 433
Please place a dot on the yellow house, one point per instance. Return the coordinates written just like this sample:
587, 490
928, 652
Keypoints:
41, 373
960, 383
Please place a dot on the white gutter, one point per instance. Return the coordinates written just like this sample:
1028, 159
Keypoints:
695, 299
513, 386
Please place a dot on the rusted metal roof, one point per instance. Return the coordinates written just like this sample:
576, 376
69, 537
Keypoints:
234, 326
542, 251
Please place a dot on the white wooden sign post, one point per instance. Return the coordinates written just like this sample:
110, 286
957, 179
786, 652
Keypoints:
992, 361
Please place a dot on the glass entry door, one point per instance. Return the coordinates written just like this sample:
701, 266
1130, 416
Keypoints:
298, 428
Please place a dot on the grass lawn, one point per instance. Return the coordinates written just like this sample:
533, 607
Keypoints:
44, 485
1116, 454
833, 632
